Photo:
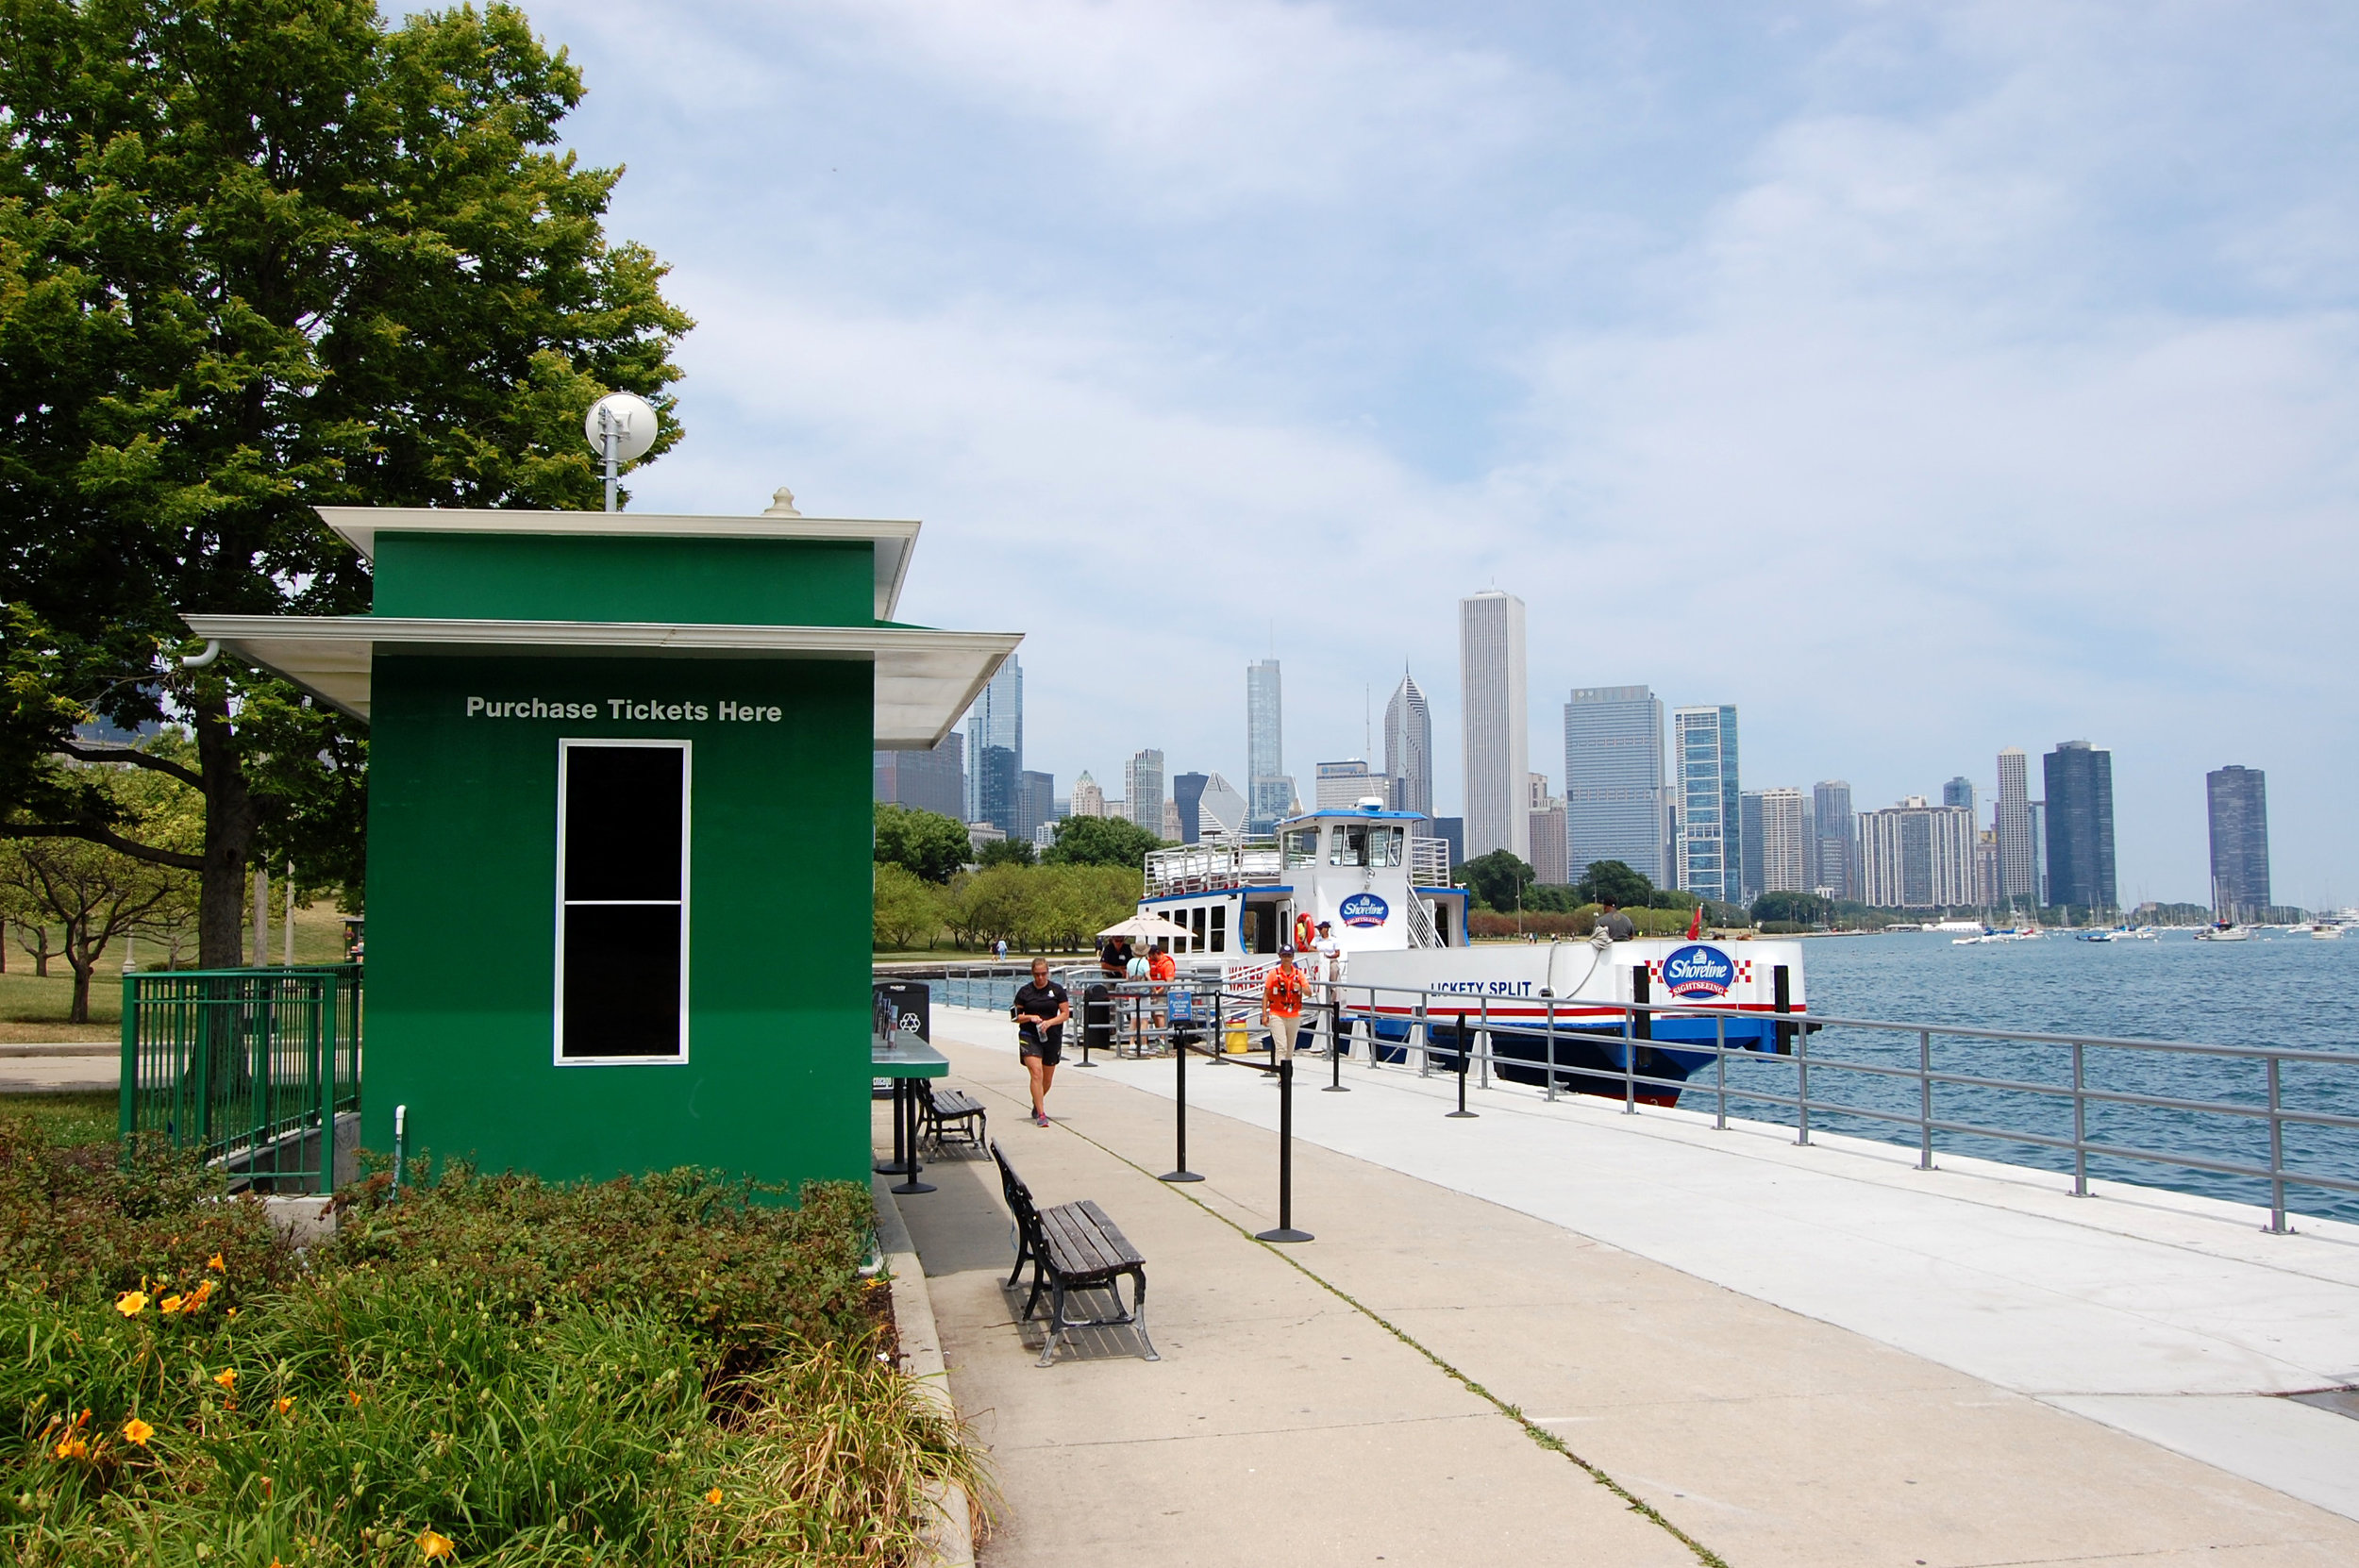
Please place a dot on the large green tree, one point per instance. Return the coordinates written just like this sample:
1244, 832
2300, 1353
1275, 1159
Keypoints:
1497, 879
257, 256
1101, 841
924, 843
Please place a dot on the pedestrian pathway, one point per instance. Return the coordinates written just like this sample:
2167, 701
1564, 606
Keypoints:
75, 1066
1343, 1401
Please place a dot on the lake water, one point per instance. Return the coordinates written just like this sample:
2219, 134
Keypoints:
2277, 990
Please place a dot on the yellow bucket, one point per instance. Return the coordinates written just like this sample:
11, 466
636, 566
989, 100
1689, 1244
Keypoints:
1239, 1040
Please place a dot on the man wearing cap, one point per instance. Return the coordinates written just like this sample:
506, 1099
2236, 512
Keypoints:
1281, 1003
1612, 926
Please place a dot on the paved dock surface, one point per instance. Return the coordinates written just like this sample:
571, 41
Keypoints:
1320, 1404
58, 1067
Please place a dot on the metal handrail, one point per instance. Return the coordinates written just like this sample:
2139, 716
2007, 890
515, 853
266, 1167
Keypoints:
1471, 1024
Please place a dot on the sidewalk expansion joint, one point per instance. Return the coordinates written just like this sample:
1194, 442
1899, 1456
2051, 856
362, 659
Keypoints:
1531, 1429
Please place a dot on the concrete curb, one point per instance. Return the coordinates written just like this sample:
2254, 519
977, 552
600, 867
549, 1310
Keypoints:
921, 1359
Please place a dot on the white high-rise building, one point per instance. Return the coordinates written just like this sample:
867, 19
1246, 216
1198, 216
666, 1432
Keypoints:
1783, 863
1409, 745
1143, 789
1915, 856
2013, 824
1088, 799
1498, 726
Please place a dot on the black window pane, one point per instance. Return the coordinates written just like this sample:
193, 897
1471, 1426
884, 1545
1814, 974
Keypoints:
622, 981
622, 821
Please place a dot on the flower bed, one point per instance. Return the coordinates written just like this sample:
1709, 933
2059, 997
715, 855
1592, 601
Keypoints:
489, 1370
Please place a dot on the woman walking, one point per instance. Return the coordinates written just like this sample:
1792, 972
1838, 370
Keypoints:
1041, 1011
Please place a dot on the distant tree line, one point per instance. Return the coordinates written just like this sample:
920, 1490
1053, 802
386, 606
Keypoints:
933, 885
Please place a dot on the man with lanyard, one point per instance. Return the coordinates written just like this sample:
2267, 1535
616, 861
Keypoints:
1281, 1002
1327, 971
1039, 1011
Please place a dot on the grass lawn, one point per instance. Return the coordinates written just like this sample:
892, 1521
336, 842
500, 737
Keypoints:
66, 1121
33, 1009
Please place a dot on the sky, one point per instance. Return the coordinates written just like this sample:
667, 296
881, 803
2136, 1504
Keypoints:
1922, 379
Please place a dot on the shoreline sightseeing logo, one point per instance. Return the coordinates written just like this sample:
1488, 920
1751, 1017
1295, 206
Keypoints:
1697, 970
1364, 908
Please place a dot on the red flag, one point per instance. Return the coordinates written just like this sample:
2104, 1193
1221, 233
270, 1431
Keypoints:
1695, 925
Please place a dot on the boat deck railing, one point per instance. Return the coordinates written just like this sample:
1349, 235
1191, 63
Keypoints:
2253, 1121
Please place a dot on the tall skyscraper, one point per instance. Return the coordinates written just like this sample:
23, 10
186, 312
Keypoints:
1915, 856
1143, 789
1035, 799
1187, 795
926, 780
1959, 791
1615, 806
1267, 787
1774, 858
994, 741
1088, 799
2037, 811
1711, 835
2013, 824
1549, 863
2079, 783
1498, 724
1409, 746
2238, 799
1346, 783
1838, 837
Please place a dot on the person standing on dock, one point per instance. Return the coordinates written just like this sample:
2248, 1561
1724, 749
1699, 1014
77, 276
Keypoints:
1041, 1011
1281, 1003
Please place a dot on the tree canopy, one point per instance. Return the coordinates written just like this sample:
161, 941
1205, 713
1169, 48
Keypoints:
1615, 880
1100, 841
927, 844
1497, 879
257, 256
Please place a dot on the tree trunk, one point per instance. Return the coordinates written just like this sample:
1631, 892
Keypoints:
229, 823
82, 968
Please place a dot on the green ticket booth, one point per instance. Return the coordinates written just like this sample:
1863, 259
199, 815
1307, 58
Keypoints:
620, 828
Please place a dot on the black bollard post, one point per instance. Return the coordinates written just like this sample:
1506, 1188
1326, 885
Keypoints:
1285, 1231
1782, 1003
1179, 1053
1335, 1050
1463, 1048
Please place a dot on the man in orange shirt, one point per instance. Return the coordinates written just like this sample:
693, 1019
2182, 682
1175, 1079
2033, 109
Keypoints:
1281, 1002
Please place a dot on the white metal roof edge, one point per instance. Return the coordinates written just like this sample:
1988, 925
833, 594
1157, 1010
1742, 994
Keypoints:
268, 640
896, 539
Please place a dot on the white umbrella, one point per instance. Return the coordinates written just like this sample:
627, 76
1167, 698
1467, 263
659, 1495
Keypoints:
1145, 925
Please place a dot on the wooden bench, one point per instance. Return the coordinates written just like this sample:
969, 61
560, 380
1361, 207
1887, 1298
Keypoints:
948, 1112
1073, 1246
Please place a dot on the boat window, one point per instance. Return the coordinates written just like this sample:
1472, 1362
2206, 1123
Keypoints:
1196, 922
1302, 846
1384, 846
1347, 845
1220, 929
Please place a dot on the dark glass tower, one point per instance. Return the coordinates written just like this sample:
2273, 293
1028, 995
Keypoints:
2080, 825
2240, 841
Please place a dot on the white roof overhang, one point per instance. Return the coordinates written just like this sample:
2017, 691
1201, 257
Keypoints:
894, 542
924, 679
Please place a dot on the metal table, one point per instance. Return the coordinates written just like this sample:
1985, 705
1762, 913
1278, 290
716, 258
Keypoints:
904, 1057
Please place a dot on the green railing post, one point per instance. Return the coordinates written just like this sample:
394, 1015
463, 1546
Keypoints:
324, 1070
127, 1092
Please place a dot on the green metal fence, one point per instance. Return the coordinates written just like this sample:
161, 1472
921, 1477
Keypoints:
249, 1067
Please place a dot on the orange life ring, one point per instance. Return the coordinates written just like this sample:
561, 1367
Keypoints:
1305, 933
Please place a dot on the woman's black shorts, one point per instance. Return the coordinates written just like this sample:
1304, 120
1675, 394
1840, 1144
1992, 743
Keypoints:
1049, 1051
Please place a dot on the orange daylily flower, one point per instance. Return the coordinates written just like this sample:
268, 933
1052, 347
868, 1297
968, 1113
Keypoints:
353, 1395
131, 1303
71, 1447
215, 1264
284, 1403
199, 1296
138, 1432
227, 1377
713, 1496
435, 1545
170, 1304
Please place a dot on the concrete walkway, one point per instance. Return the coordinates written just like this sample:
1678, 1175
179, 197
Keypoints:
77, 1066
1314, 1403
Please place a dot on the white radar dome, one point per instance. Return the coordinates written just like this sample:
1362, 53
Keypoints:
634, 422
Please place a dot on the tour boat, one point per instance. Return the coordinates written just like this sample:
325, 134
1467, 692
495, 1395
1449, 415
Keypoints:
1409, 977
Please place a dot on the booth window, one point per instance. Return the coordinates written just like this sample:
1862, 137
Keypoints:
622, 892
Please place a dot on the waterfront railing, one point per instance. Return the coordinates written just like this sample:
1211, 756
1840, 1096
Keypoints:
2253, 1123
